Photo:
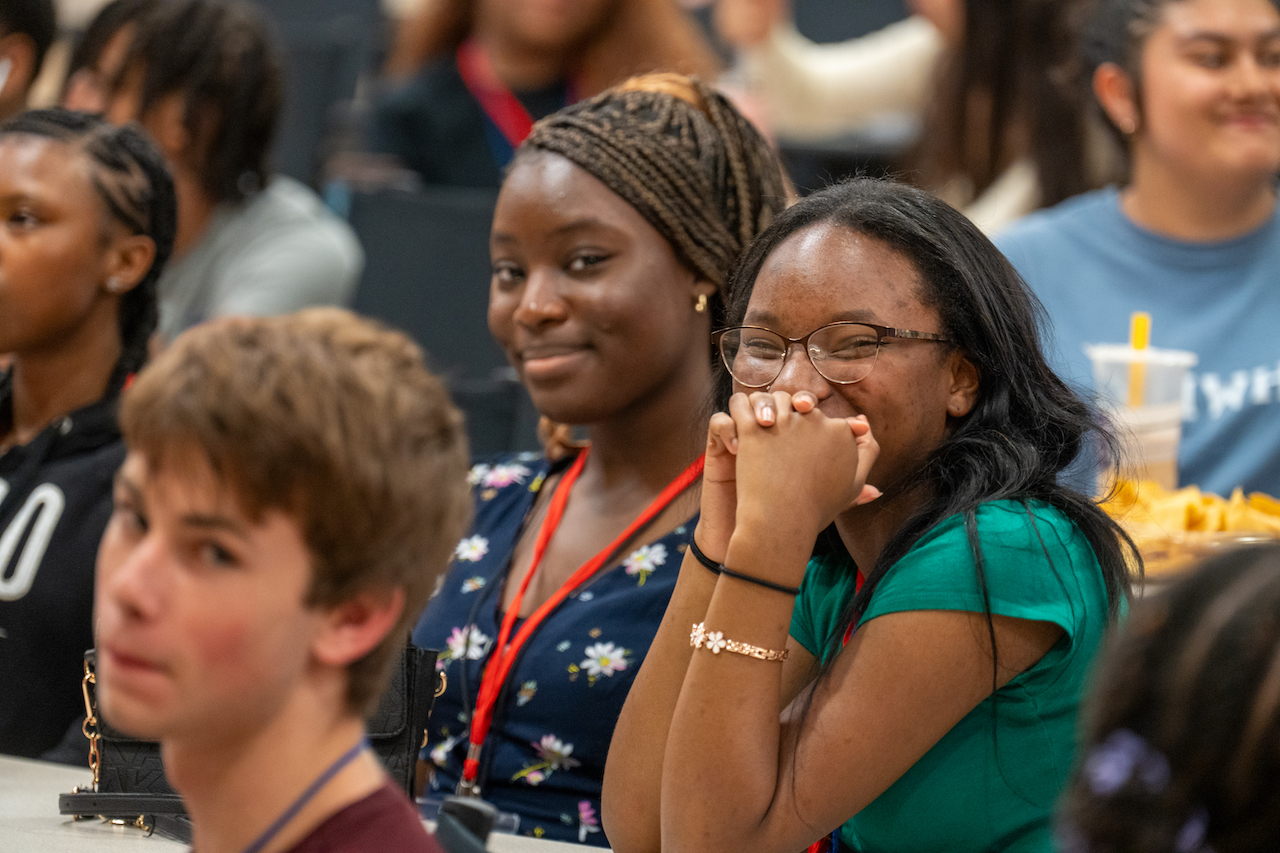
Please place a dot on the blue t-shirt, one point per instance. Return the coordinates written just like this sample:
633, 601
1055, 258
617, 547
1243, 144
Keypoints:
545, 753
1092, 267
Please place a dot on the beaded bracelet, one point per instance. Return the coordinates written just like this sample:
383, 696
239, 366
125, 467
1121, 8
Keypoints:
714, 642
710, 564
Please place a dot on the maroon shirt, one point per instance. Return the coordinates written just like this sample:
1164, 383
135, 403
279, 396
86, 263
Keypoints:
384, 820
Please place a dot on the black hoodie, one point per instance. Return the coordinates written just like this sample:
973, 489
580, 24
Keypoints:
55, 499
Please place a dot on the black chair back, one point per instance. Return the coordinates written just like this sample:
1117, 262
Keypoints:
427, 273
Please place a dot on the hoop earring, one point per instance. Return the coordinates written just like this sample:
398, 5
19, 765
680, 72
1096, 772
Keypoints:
701, 305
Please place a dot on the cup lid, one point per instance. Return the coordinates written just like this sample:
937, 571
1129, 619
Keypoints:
1126, 353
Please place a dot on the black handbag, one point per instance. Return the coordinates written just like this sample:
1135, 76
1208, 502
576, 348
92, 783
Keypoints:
128, 777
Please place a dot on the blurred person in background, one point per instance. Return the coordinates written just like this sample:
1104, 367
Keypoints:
1180, 738
473, 75
612, 242
99, 53
1193, 89
1005, 129
89, 217
27, 29
204, 78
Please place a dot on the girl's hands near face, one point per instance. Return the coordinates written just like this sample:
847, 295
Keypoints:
719, 488
795, 464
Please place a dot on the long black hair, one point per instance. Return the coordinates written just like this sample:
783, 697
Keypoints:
130, 176
1026, 425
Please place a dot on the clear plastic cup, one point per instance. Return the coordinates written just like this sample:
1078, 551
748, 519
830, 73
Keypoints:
1140, 391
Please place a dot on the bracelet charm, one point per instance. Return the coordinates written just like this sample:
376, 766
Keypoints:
715, 642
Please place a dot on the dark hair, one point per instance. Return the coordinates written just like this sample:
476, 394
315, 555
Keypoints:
1026, 425
98, 34
1188, 696
35, 19
130, 176
679, 153
1011, 90
220, 56
1116, 31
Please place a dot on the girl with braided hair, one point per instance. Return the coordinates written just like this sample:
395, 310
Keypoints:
612, 240
88, 221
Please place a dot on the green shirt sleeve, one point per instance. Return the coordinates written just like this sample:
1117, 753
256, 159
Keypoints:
829, 582
1037, 566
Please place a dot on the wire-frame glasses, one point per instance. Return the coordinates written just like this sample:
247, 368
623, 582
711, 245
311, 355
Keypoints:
842, 353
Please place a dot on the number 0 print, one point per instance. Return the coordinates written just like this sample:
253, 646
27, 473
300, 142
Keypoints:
48, 501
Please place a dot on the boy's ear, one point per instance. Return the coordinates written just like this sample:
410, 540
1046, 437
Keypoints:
355, 627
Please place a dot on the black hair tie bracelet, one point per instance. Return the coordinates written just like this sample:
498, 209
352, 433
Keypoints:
710, 564
777, 587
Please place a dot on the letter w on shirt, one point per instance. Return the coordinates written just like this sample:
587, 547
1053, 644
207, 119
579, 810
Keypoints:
1225, 398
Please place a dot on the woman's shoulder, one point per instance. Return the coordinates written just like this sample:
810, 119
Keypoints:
1034, 561
1008, 524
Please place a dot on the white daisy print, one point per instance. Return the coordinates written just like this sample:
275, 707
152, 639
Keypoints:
477, 474
604, 659
469, 643
501, 476
472, 549
644, 560
555, 753
440, 752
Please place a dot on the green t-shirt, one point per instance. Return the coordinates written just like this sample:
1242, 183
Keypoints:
967, 794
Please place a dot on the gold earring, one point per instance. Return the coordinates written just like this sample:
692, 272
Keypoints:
701, 306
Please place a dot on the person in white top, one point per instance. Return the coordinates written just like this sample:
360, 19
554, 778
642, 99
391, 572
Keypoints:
1005, 130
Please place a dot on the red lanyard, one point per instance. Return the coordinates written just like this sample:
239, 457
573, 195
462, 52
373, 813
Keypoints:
857, 587
505, 653
498, 102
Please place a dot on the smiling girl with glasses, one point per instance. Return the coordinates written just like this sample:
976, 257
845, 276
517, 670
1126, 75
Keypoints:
911, 683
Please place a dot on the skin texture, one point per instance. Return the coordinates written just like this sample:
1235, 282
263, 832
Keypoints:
597, 316
58, 248
904, 680
206, 645
1205, 130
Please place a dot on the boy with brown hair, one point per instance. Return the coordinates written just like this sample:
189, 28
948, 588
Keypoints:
292, 488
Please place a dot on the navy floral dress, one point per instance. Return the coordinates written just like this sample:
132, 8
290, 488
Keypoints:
545, 754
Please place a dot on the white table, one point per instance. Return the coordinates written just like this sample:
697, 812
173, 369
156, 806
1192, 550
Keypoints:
30, 823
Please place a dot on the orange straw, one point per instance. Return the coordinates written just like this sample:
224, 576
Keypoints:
1139, 339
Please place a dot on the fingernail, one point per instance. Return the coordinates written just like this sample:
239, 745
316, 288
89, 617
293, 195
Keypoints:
766, 414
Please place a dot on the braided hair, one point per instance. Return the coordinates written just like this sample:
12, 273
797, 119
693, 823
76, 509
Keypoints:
1182, 731
131, 178
679, 153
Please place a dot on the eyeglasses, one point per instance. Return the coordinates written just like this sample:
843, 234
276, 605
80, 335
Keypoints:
842, 353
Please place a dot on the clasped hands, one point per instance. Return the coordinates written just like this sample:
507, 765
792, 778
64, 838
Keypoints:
777, 466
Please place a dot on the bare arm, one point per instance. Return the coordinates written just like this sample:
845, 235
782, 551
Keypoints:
633, 772
736, 777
